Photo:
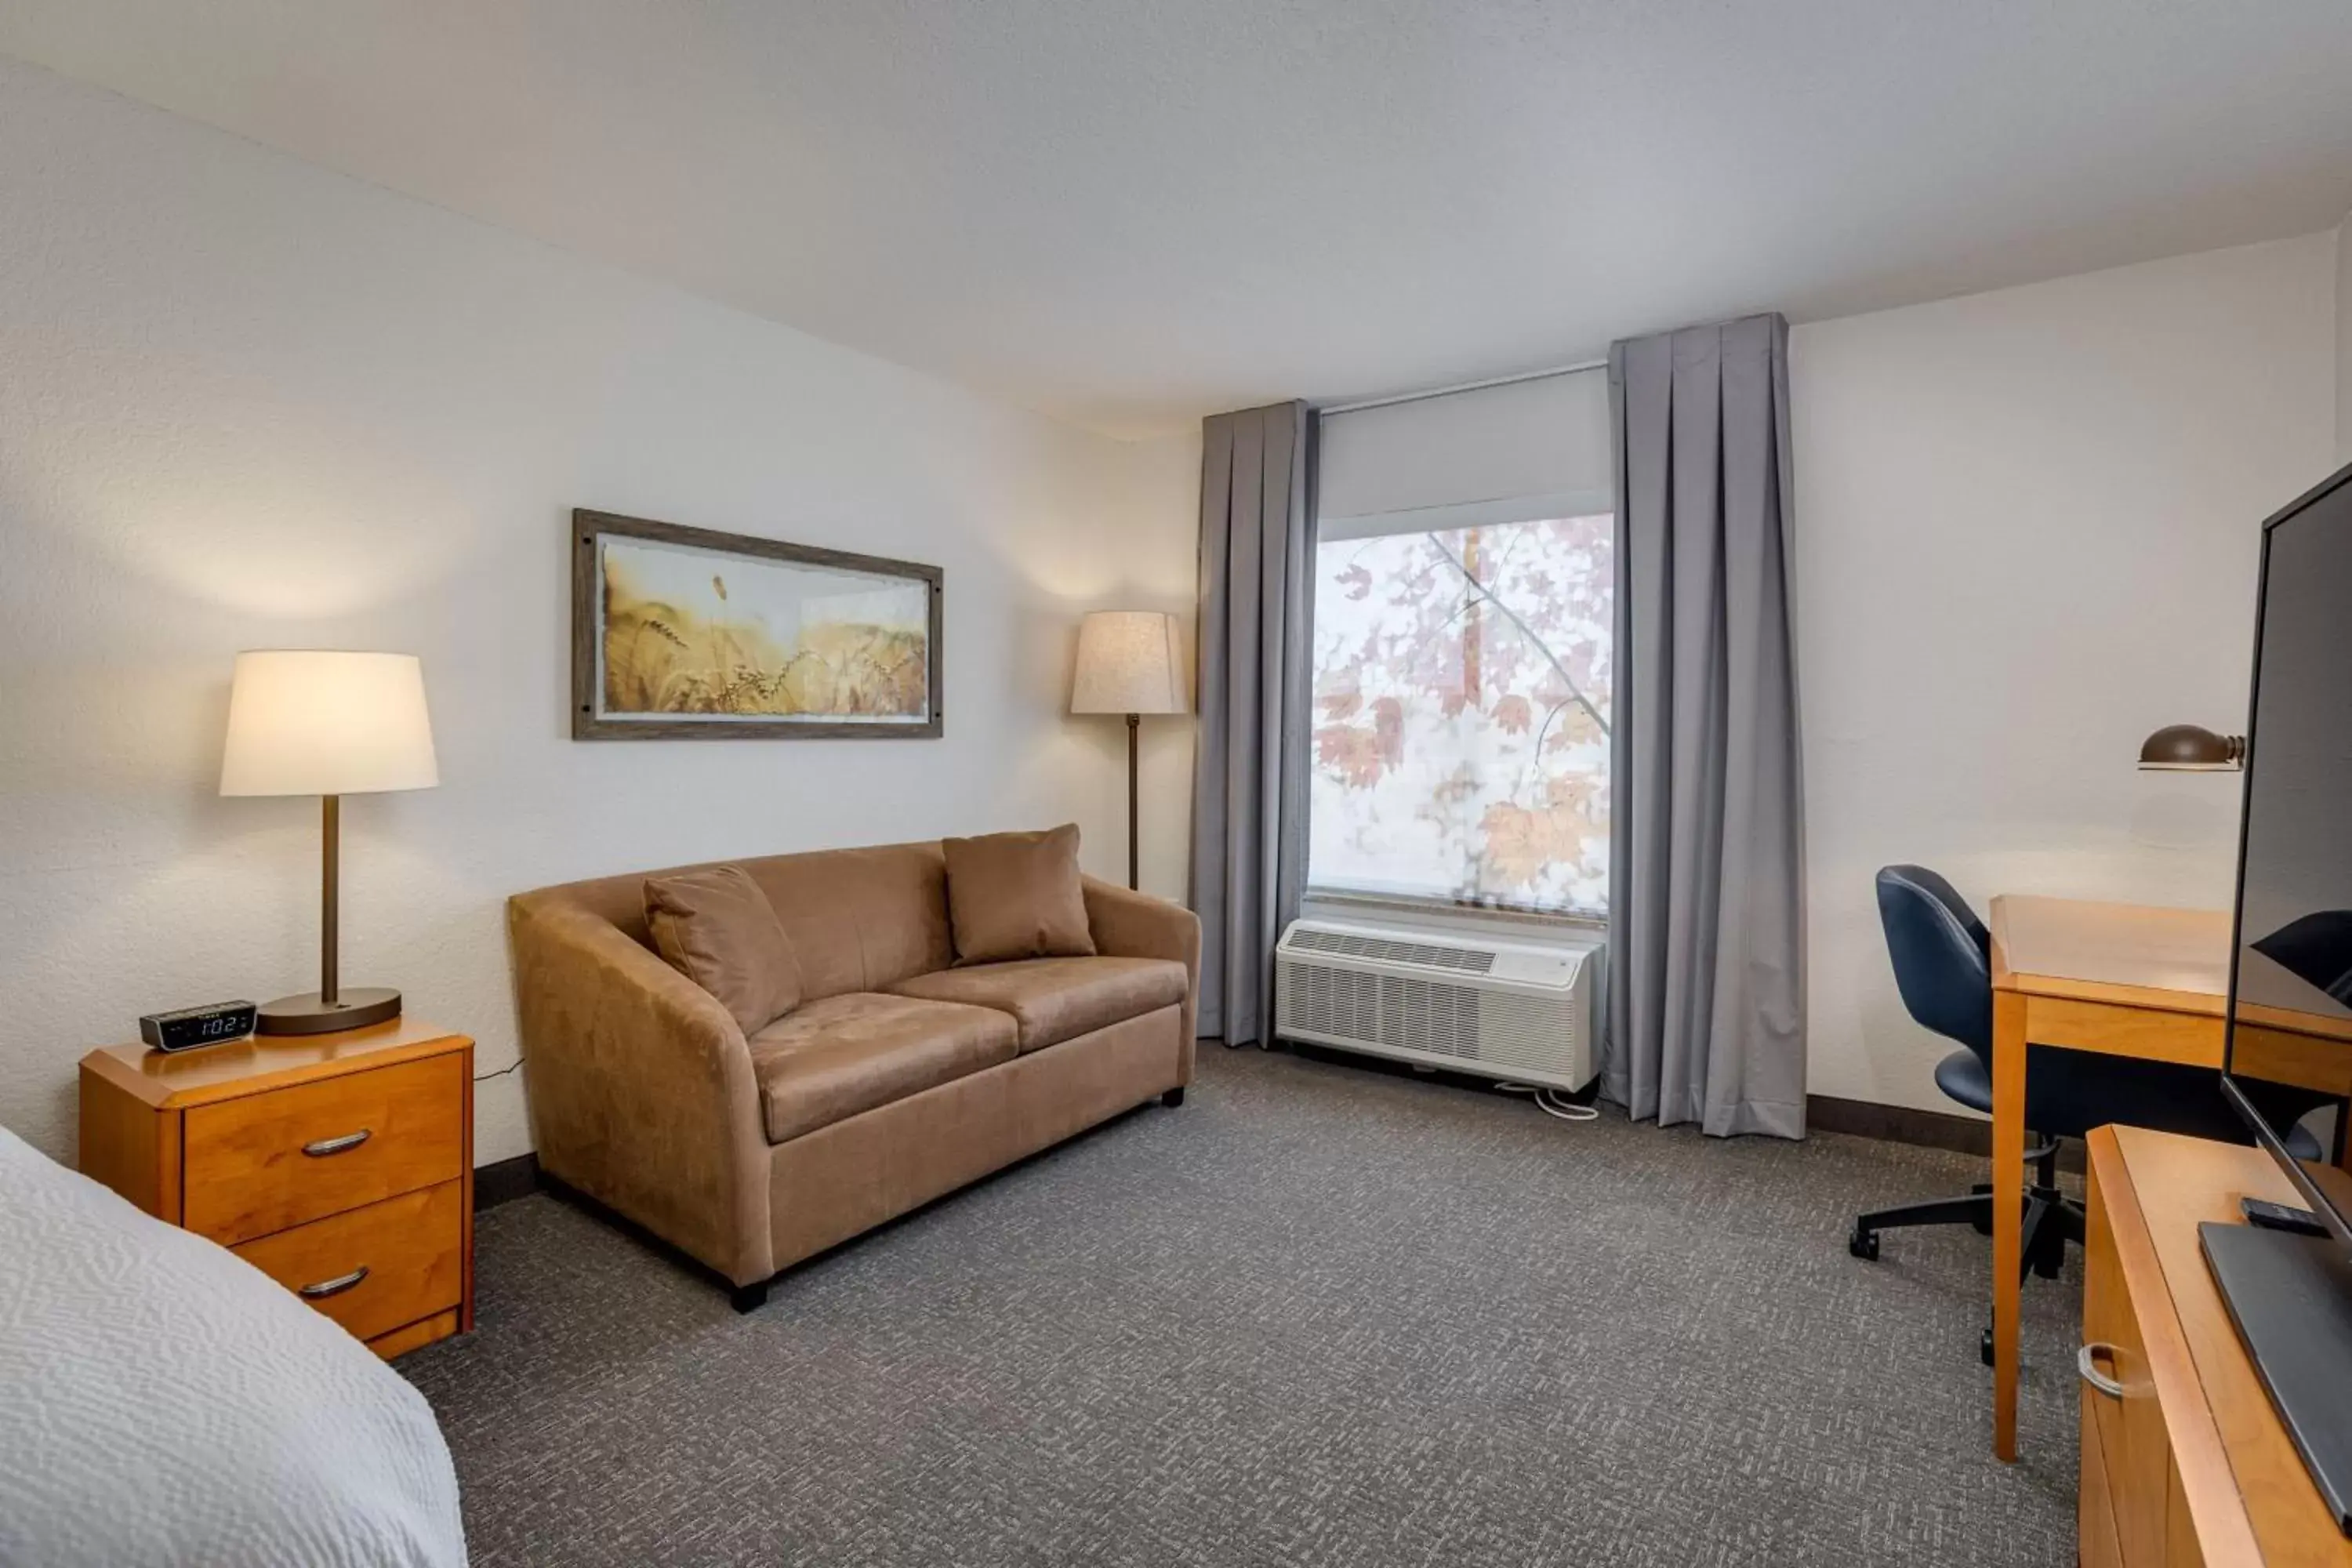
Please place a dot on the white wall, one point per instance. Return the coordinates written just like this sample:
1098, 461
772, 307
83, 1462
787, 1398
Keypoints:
246, 402
2027, 526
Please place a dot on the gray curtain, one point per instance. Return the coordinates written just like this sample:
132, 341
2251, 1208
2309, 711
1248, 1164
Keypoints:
1707, 972
1249, 786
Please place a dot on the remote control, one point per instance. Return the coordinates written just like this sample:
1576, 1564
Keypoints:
2279, 1216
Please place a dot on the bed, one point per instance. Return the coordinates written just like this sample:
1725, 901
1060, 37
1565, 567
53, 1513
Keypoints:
163, 1402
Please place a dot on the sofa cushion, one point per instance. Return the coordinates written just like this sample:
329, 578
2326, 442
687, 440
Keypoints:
716, 928
1017, 895
1057, 999
860, 919
834, 1059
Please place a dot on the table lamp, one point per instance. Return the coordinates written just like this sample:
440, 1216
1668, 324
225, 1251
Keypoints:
2192, 748
1129, 661
302, 722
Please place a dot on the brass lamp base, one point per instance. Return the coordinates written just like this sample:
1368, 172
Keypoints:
310, 1014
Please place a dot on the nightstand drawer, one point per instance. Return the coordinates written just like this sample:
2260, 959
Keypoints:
268, 1161
375, 1269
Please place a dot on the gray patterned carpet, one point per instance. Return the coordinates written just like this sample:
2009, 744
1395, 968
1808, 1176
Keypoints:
1317, 1315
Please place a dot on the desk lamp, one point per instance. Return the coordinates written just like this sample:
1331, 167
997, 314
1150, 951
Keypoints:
303, 721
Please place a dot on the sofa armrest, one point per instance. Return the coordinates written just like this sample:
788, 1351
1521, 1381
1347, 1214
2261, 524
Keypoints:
1136, 925
641, 1092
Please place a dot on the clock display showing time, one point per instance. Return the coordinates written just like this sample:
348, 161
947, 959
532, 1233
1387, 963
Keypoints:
185, 1027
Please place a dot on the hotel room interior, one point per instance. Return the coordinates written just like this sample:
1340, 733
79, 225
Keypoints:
1640, 858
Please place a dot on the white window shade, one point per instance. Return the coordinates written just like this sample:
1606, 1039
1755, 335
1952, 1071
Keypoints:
1526, 450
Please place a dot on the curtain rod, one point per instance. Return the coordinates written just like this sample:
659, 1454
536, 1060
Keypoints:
1358, 407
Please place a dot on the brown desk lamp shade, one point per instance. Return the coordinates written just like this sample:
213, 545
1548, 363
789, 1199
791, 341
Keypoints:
2188, 748
1130, 662
309, 721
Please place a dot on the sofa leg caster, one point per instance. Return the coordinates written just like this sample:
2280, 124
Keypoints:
749, 1297
1173, 1097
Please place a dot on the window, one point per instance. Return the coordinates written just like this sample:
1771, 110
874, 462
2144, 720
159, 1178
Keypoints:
1464, 613
1462, 699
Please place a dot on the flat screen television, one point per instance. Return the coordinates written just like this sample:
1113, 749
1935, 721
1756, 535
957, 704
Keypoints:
2290, 1013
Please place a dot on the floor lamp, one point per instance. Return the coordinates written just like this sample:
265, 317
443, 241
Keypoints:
1130, 662
306, 722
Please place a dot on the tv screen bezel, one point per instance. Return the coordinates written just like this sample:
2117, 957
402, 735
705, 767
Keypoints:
2337, 1221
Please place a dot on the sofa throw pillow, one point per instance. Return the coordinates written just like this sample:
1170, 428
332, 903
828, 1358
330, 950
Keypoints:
1016, 895
717, 929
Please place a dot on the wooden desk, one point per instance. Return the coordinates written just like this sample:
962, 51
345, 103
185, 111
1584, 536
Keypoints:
2127, 979
2184, 1457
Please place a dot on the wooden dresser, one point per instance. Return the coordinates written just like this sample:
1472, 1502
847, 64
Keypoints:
2187, 1463
340, 1165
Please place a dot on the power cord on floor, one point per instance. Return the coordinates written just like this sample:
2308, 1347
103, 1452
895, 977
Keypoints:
486, 1076
1552, 1102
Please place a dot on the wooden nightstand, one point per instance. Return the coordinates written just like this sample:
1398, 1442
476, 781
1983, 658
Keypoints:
339, 1165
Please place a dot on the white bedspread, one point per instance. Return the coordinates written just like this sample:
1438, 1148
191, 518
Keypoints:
164, 1402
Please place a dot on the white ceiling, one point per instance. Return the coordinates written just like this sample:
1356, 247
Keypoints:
1128, 213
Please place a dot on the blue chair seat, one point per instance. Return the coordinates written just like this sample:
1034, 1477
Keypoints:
1964, 1077
2179, 1100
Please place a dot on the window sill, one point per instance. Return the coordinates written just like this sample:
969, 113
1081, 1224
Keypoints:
1344, 900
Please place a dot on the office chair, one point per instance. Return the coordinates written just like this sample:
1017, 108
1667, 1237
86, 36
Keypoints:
1943, 966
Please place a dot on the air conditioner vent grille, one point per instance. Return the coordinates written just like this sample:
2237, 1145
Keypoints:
1491, 1028
1518, 1012
1388, 949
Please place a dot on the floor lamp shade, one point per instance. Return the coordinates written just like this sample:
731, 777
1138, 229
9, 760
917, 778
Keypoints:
304, 722
1130, 662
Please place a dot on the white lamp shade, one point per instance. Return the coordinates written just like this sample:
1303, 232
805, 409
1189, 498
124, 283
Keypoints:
1129, 661
304, 722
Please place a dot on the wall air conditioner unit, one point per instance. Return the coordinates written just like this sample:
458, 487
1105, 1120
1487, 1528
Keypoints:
1515, 1011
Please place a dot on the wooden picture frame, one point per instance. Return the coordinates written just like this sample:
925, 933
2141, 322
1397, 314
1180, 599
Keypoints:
661, 653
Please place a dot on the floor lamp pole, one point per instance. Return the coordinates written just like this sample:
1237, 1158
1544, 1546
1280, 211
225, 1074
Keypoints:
1134, 721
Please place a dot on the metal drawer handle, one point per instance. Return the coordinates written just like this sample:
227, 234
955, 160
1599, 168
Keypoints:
2087, 1364
326, 1146
335, 1287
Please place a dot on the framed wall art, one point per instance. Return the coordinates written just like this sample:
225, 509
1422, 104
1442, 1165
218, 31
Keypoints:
688, 634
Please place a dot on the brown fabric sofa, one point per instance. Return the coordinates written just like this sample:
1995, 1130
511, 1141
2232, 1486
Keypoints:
899, 1079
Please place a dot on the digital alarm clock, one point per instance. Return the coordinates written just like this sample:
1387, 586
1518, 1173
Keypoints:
191, 1027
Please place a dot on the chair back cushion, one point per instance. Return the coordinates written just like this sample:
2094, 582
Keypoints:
716, 928
1017, 895
1942, 955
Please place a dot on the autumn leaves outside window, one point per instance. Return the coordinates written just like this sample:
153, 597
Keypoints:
1462, 702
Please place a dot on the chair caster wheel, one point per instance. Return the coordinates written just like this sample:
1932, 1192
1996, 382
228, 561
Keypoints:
1863, 1243
1984, 1348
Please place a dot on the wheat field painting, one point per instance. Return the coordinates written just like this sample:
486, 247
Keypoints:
695, 638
